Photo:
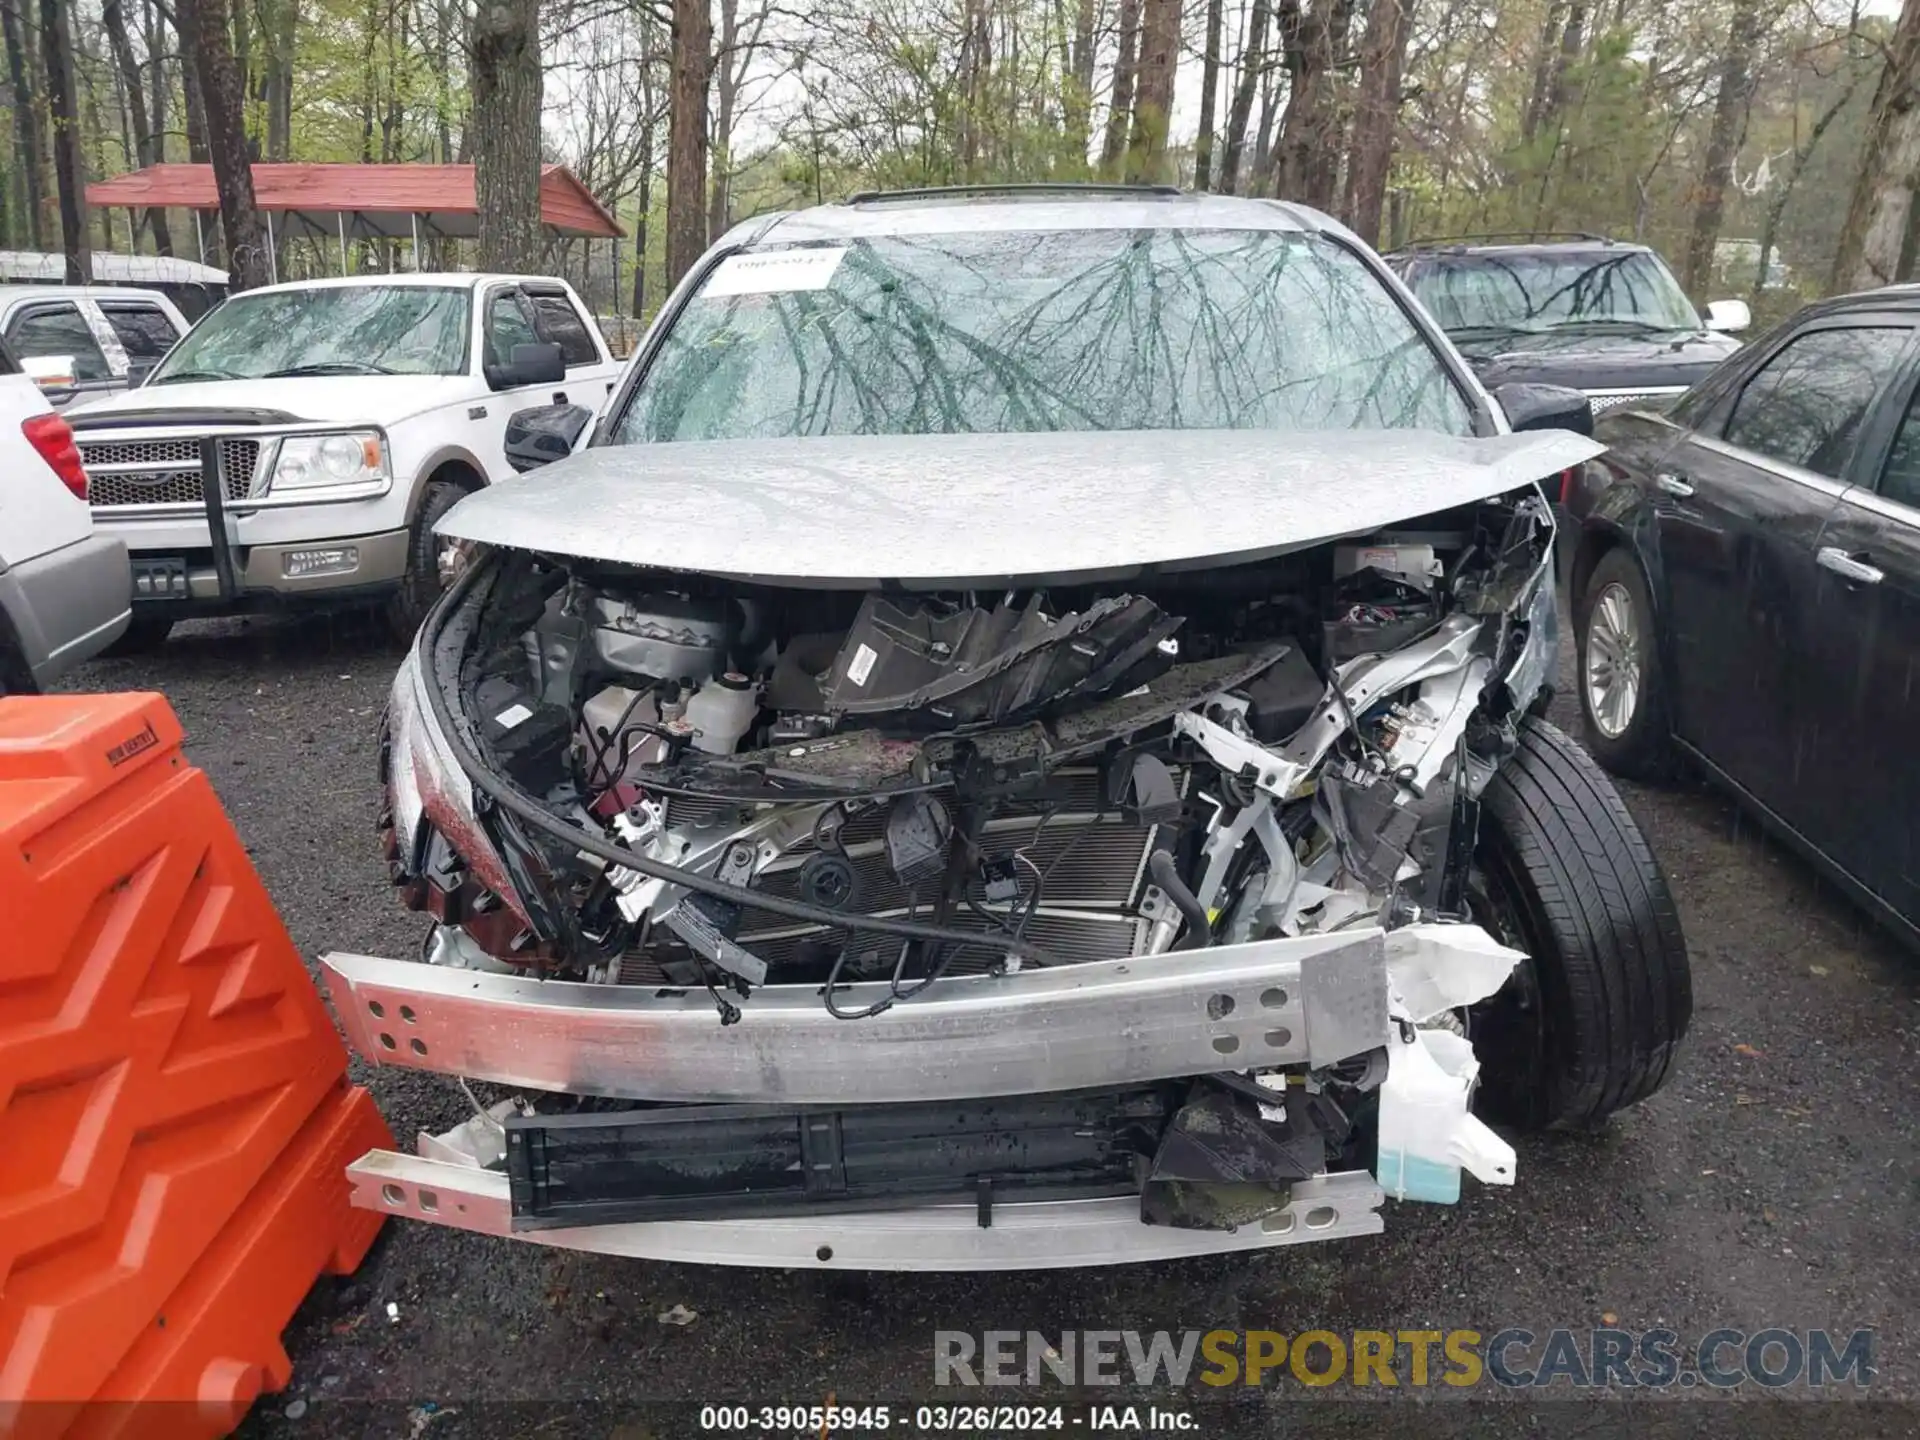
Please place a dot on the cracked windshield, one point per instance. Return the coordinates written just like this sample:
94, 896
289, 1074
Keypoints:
1529, 293
1044, 330
335, 330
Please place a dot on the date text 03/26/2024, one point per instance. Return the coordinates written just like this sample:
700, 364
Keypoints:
815, 1420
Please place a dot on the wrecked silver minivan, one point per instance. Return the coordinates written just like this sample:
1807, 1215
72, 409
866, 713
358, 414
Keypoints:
1016, 743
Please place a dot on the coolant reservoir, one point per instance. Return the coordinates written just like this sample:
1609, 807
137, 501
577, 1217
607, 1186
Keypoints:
614, 718
1428, 1135
721, 711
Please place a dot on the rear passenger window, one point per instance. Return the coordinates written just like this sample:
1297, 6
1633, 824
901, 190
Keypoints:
1901, 479
560, 324
49, 330
145, 332
1805, 406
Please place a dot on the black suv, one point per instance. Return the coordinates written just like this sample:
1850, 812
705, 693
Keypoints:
1583, 311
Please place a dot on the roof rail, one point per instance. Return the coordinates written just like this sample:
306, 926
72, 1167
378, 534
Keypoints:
1519, 237
1025, 190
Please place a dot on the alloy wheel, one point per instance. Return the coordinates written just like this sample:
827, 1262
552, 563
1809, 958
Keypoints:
1613, 670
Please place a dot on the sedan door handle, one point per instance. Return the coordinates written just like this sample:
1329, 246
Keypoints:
1673, 484
1832, 557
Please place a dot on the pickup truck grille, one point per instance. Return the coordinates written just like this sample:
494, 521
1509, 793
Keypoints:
161, 472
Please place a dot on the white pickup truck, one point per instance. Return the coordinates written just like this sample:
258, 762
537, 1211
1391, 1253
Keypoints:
297, 447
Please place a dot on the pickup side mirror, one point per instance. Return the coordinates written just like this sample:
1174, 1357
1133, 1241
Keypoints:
544, 433
1731, 316
1545, 407
537, 364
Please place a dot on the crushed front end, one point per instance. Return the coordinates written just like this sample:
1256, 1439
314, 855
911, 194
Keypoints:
902, 928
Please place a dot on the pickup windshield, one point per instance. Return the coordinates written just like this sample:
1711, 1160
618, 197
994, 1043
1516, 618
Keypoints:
331, 330
1042, 330
1529, 292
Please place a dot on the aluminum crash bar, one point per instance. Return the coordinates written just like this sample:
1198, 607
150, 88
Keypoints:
1023, 1236
1311, 1000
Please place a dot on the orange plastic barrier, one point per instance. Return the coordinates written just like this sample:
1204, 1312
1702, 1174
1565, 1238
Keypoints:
174, 1111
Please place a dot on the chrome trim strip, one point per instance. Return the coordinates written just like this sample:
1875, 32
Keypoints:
1875, 503
1051, 1235
1825, 484
1310, 1000
1636, 391
331, 495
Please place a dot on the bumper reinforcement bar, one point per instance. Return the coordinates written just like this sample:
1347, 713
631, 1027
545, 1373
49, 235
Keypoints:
1023, 1236
1312, 1000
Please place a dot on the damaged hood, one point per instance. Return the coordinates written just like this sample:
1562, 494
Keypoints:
953, 511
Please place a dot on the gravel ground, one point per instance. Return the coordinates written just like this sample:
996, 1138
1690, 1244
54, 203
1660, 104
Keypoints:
1773, 1182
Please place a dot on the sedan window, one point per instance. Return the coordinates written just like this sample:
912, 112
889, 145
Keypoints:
1901, 479
1806, 404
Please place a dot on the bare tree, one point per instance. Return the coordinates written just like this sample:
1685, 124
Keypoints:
1120, 101
146, 151
1376, 114
69, 165
1209, 94
28, 152
1253, 65
1153, 89
1732, 99
1882, 203
1306, 157
1079, 97
506, 134
687, 136
204, 31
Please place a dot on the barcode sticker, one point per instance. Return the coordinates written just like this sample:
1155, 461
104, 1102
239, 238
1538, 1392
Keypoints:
862, 666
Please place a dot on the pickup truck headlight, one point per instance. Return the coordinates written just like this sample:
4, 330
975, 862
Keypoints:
306, 462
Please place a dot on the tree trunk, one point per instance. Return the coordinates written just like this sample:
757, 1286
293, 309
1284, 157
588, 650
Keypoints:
1209, 93
1730, 105
505, 80
1079, 98
205, 35
1153, 91
1543, 63
1869, 251
196, 118
726, 91
1120, 102
1253, 64
1306, 157
687, 136
282, 20
1571, 40
1376, 119
28, 154
114, 19
69, 165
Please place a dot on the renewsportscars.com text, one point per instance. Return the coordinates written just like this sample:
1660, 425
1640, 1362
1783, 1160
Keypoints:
1511, 1358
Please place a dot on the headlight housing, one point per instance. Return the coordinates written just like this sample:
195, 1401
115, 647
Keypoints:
309, 462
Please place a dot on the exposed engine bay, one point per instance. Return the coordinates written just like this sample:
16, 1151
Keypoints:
690, 787
1041, 775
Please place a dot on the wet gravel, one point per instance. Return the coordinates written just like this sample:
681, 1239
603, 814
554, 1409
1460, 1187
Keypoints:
1772, 1183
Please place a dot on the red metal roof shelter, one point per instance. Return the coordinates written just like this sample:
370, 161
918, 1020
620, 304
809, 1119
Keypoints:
361, 202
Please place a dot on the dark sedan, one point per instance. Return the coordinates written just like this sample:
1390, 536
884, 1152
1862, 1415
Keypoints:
1745, 579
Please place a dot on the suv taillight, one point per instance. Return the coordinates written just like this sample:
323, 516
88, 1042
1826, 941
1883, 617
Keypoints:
52, 437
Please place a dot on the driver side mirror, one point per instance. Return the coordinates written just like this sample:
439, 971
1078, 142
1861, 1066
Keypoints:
537, 364
544, 433
1731, 316
1545, 407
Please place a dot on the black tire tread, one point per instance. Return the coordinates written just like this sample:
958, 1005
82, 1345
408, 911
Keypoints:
1606, 938
420, 586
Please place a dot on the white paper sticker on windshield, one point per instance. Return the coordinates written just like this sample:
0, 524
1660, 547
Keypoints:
774, 272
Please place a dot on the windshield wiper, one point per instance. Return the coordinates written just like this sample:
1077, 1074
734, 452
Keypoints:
1609, 322
329, 367
174, 375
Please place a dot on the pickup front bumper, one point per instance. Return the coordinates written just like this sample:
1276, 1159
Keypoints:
832, 1187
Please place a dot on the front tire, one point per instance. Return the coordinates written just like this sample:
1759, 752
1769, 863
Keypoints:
1591, 1022
427, 557
1623, 694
